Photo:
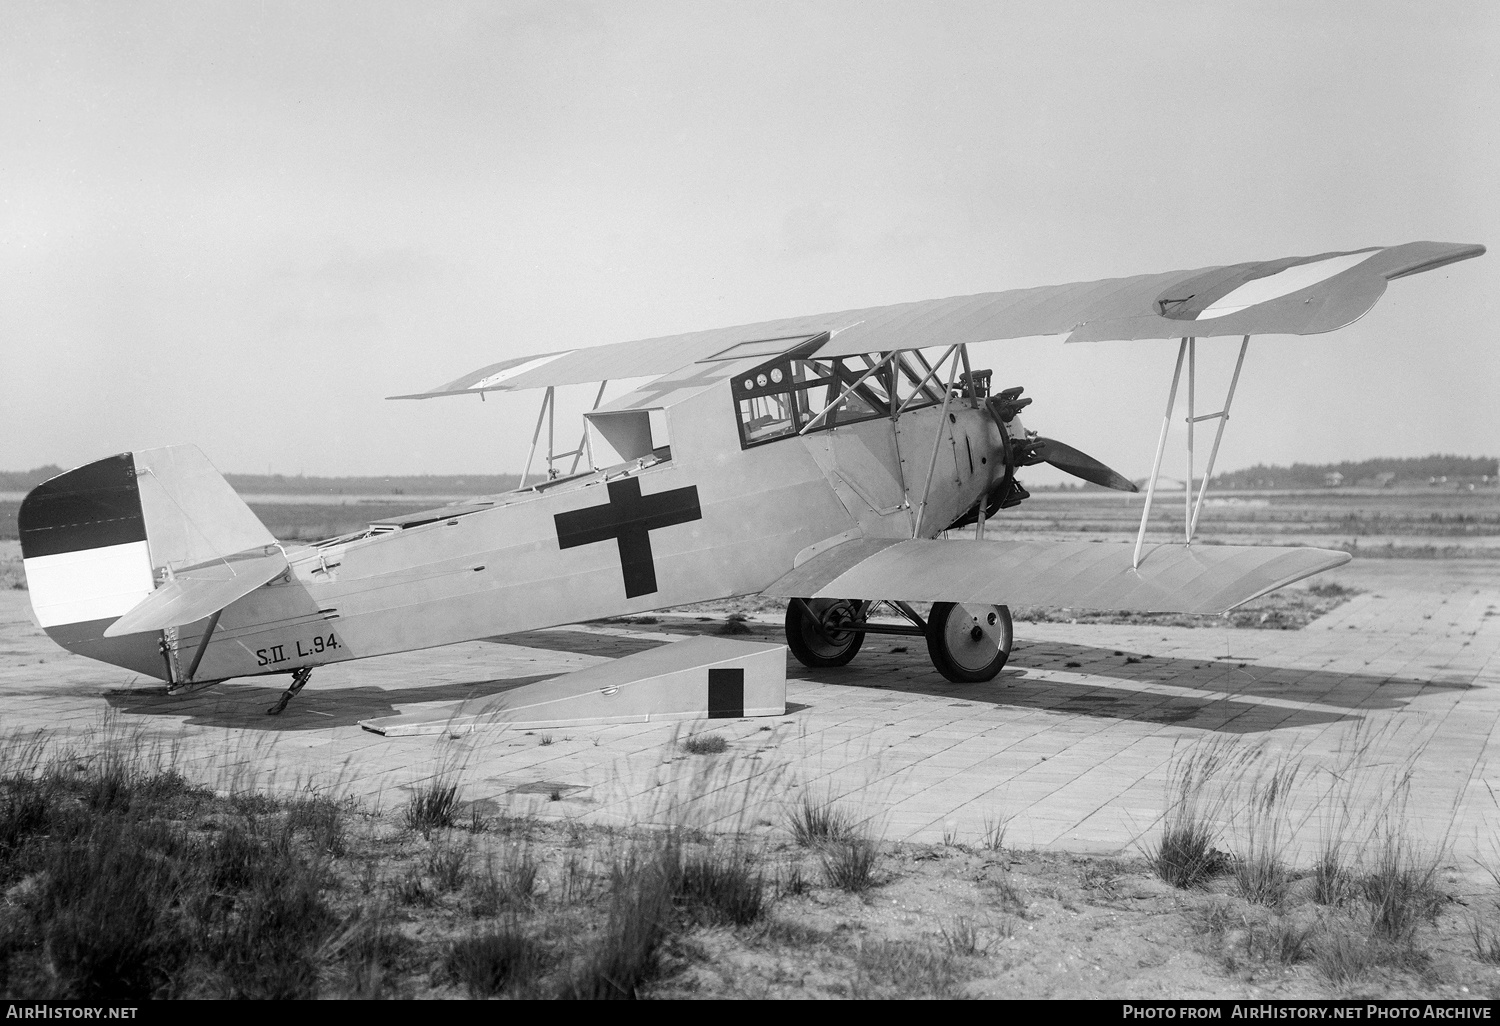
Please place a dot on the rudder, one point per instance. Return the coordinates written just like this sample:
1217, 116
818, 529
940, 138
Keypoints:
97, 541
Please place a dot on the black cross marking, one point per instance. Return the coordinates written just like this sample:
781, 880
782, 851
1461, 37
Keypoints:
653, 392
629, 518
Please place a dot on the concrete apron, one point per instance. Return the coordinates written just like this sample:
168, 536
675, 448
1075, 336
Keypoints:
1071, 748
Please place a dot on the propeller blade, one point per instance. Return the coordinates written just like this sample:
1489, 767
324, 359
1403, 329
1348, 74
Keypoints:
1080, 464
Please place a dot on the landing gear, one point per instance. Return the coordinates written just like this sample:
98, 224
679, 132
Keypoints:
969, 644
299, 681
816, 630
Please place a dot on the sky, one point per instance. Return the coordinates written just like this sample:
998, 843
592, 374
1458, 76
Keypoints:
242, 225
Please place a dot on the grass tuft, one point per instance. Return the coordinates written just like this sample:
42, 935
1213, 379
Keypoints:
627, 953
815, 823
963, 936
411, 889
1344, 956
372, 953
578, 884
105, 909
320, 819
498, 961
793, 883
25, 810
849, 864
720, 887
1261, 869
733, 624
1185, 855
1333, 880
433, 805
1401, 887
705, 744
1281, 941
510, 885
1486, 936
889, 968
994, 832
448, 867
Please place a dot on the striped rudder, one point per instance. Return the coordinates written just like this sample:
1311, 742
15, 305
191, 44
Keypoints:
98, 541
83, 541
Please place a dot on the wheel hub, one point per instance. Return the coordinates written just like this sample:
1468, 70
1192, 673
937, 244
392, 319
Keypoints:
974, 644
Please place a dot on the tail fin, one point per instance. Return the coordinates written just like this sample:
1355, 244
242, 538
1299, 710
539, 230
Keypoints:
97, 541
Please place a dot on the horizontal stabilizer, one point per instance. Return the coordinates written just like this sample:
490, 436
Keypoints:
201, 591
1172, 578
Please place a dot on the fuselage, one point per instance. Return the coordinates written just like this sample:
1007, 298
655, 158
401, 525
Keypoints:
704, 519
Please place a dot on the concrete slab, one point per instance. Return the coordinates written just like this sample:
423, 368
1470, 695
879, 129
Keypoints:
1075, 757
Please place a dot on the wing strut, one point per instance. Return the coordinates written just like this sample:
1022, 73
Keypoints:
540, 416
1213, 454
846, 393
931, 373
1191, 509
937, 440
548, 412
583, 443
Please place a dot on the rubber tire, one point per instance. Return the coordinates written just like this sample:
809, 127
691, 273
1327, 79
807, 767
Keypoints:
810, 643
969, 665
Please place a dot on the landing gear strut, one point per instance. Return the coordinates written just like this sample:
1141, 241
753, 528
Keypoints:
299, 681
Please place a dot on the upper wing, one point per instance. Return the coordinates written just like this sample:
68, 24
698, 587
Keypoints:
1290, 296
1086, 575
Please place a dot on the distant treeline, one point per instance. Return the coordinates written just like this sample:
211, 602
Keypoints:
281, 484
1419, 470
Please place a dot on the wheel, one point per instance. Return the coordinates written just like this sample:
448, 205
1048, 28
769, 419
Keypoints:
969, 644
809, 636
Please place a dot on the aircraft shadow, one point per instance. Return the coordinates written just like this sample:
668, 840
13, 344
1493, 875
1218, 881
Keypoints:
611, 646
890, 664
1225, 710
242, 704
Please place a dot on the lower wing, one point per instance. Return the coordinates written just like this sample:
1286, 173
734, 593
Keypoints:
1171, 578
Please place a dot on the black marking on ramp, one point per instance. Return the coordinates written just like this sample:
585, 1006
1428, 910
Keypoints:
629, 518
726, 694
89, 508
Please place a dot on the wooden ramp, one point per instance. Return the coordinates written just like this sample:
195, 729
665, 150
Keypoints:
702, 678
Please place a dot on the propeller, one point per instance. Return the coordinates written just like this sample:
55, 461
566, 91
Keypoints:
1026, 450
1080, 464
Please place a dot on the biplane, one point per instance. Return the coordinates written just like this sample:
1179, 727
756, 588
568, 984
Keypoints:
823, 459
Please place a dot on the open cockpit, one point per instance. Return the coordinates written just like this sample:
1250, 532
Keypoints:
796, 392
